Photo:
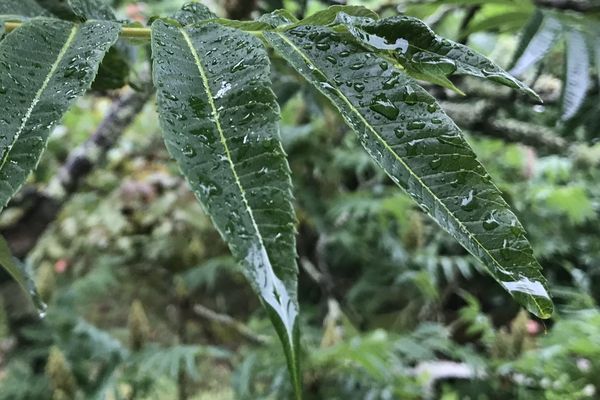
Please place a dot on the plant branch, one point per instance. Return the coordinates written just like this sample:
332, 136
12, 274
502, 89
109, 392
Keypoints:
126, 32
230, 322
481, 117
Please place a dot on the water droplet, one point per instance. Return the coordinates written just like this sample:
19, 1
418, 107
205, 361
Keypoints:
359, 87
357, 66
490, 222
399, 133
382, 105
436, 162
414, 125
323, 46
468, 203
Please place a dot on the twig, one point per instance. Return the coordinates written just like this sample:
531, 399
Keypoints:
232, 323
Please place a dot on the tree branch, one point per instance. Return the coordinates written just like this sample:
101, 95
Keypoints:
230, 322
480, 116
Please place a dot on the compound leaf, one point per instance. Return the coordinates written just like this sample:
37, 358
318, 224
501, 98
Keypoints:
219, 120
46, 65
421, 149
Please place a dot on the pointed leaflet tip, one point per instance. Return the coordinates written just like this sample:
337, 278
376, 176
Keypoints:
421, 149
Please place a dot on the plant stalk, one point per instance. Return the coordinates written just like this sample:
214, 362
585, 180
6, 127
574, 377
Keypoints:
126, 32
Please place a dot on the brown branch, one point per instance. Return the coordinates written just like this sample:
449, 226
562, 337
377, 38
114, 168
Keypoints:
231, 323
481, 117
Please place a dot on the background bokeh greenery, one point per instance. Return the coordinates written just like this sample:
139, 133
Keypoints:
393, 308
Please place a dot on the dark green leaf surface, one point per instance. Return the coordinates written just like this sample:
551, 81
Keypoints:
577, 74
193, 12
21, 275
92, 9
538, 38
329, 15
422, 150
23, 8
219, 119
46, 65
423, 53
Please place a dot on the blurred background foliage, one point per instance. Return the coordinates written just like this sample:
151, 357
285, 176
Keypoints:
145, 302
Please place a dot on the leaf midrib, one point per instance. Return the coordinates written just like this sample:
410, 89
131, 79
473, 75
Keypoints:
40, 92
216, 117
410, 171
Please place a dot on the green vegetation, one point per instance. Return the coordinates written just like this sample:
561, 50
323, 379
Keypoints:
288, 128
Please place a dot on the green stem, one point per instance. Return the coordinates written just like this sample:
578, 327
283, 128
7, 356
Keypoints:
126, 32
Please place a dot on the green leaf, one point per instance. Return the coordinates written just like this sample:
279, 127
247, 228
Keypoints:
191, 13
538, 38
92, 9
424, 54
21, 275
422, 150
577, 74
219, 119
329, 15
47, 64
21, 8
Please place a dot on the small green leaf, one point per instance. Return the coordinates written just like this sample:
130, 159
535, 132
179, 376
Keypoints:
577, 74
537, 39
21, 275
423, 53
62, 60
219, 120
422, 150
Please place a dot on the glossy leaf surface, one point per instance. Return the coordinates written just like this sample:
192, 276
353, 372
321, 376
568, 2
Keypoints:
421, 149
46, 65
21, 8
219, 119
424, 54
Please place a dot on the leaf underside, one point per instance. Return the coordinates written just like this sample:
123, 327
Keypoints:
219, 120
537, 39
577, 75
48, 63
421, 149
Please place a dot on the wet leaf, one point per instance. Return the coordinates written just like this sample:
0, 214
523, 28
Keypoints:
46, 64
424, 54
21, 274
219, 120
577, 75
421, 149
21, 8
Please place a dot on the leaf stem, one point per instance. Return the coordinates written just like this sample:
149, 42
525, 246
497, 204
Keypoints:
126, 32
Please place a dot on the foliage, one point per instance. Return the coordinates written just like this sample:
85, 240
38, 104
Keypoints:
132, 256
